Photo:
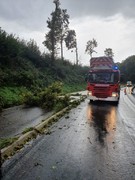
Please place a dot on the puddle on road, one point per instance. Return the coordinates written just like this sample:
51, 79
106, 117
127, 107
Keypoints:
19, 118
102, 117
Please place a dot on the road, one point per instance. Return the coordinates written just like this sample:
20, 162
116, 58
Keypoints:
92, 142
13, 121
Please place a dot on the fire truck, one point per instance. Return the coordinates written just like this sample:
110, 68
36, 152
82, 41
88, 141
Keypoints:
103, 80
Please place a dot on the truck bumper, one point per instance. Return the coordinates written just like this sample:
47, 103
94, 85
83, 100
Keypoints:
94, 98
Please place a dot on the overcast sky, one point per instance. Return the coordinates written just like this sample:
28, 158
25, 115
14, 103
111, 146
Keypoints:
110, 22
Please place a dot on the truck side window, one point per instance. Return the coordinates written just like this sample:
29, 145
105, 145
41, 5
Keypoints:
90, 78
116, 77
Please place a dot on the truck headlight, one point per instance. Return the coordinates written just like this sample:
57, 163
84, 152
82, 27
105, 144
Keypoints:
114, 94
90, 93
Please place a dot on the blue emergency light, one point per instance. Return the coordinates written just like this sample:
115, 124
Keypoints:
115, 67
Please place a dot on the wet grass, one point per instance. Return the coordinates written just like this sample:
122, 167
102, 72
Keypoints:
27, 130
4, 142
11, 96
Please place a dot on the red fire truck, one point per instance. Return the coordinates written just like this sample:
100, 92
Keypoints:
103, 80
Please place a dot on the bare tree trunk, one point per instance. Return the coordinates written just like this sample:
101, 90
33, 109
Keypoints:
61, 48
76, 55
53, 46
52, 53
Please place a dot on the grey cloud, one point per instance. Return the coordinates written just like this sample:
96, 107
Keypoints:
34, 13
102, 8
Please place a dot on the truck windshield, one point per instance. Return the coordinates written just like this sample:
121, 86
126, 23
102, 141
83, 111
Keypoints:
104, 77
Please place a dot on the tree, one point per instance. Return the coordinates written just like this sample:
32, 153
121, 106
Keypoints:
51, 37
32, 45
70, 39
63, 24
58, 25
9, 47
91, 44
127, 69
108, 52
71, 42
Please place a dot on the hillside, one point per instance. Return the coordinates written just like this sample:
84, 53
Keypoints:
23, 69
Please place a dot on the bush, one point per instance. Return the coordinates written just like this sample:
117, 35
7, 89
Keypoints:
61, 103
46, 98
31, 99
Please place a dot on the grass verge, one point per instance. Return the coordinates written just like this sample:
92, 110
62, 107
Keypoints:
4, 142
27, 130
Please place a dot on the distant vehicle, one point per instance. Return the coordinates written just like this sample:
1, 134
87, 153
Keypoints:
128, 89
103, 80
133, 90
129, 84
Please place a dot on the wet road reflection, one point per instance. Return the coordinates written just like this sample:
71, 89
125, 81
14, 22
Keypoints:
102, 117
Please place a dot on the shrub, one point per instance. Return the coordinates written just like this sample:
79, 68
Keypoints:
46, 98
31, 99
61, 103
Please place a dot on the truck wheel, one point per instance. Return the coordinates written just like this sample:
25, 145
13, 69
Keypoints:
91, 101
116, 103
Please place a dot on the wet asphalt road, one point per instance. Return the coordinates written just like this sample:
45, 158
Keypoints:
92, 142
13, 121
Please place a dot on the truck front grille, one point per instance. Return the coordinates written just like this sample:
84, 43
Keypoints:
101, 92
